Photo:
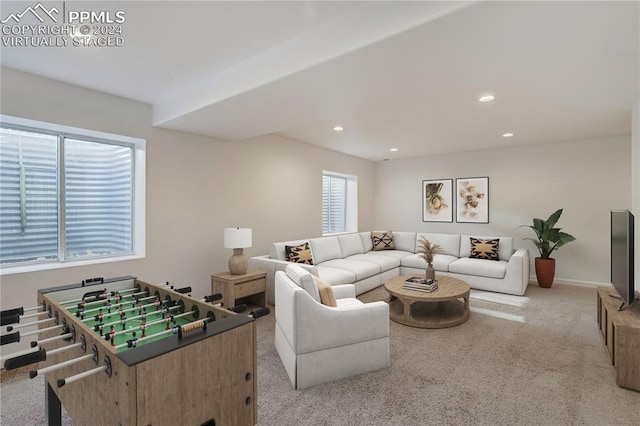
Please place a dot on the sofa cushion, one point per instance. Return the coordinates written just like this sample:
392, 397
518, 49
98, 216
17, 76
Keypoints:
505, 250
484, 249
326, 293
277, 250
350, 244
396, 254
348, 302
304, 279
382, 240
386, 263
367, 244
405, 241
449, 243
360, 268
440, 262
479, 267
325, 248
334, 276
299, 254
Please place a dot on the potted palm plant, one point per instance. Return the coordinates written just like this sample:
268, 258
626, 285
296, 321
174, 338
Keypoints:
548, 240
427, 251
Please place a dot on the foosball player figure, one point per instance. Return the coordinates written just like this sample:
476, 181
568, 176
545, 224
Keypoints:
121, 310
133, 341
139, 308
108, 305
144, 314
117, 297
101, 329
123, 322
82, 304
157, 303
134, 300
164, 308
112, 335
167, 321
174, 326
100, 315
143, 328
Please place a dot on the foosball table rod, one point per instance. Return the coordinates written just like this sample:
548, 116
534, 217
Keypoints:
29, 324
16, 318
18, 311
15, 337
63, 336
59, 365
106, 368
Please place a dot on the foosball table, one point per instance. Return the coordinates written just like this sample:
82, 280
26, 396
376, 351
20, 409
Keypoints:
125, 352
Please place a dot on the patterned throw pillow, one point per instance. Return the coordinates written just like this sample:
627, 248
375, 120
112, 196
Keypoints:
484, 249
299, 254
327, 297
382, 240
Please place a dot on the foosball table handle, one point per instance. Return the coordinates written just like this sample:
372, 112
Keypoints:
10, 338
10, 319
260, 312
22, 360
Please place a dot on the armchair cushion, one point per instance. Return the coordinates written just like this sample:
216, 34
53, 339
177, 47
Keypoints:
327, 297
303, 279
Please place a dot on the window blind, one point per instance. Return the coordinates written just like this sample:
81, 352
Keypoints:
334, 195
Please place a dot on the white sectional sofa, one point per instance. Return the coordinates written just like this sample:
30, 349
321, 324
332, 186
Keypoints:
350, 259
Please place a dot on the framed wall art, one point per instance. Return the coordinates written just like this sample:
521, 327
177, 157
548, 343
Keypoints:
472, 200
437, 200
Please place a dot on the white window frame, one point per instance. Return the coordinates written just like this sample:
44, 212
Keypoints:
139, 193
351, 202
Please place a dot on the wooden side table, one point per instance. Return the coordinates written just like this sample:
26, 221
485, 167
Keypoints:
249, 288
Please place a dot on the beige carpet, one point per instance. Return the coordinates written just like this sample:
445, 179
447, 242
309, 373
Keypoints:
532, 360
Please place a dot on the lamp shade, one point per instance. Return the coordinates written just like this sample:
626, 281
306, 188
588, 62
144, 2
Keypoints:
237, 237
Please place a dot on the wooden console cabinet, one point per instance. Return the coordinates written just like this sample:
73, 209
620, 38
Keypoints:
249, 288
621, 333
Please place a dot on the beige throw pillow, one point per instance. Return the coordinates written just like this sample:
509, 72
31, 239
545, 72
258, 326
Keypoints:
326, 293
299, 254
382, 240
484, 249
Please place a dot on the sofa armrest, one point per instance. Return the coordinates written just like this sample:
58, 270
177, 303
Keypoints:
343, 291
321, 327
518, 269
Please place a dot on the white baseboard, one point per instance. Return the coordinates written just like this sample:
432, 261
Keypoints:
564, 281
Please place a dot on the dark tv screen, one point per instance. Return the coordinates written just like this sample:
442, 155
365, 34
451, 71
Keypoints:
622, 254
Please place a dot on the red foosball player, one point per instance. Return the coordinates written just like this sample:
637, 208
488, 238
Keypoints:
112, 335
143, 328
117, 297
167, 320
82, 304
139, 308
121, 311
157, 303
100, 315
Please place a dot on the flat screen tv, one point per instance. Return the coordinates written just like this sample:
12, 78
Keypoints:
622, 255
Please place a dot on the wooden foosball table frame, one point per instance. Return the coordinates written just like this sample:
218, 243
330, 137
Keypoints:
206, 377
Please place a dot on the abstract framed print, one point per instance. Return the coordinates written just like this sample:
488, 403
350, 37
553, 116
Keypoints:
472, 200
437, 200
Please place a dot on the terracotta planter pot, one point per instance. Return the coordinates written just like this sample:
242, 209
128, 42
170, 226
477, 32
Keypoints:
545, 271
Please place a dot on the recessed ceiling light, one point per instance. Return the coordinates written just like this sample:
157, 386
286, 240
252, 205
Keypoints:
486, 98
338, 129
507, 135
394, 150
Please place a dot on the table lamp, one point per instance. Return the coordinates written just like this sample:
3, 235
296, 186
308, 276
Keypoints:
237, 239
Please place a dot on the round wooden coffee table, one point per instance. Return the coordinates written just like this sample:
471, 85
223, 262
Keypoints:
445, 307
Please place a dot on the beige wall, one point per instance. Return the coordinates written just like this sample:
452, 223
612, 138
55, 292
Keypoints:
635, 185
585, 178
196, 186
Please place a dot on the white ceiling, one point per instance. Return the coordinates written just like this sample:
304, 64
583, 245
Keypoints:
395, 74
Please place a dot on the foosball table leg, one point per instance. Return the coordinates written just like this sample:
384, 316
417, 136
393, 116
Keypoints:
52, 407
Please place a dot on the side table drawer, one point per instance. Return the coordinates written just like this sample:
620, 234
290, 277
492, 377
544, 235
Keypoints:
250, 288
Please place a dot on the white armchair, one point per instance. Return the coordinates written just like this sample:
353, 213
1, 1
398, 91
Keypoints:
318, 343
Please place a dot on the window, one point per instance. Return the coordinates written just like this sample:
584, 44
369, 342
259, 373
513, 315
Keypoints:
339, 203
68, 196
